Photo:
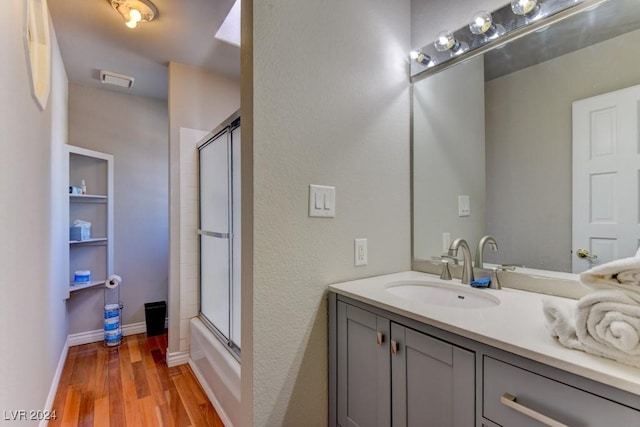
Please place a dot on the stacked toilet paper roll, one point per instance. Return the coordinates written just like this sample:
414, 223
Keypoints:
112, 330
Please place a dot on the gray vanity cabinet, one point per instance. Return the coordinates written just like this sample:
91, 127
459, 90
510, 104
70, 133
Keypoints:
390, 370
536, 397
432, 381
388, 374
364, 383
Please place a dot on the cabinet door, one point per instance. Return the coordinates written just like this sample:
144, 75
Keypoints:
433, 381
364, 376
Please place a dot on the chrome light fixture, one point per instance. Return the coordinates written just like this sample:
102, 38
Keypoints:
482, 24
420, 57
135, 11
445, 41
450, 47
528, 8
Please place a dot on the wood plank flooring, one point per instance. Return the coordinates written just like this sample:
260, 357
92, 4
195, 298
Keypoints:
129, 386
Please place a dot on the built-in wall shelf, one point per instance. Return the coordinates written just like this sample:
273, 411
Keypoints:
96, 241
88, 198
94, 170
77, 287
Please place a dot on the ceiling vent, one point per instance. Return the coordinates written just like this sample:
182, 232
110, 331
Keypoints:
116, 79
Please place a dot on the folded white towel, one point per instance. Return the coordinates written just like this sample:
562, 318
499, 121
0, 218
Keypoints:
608, 324
560, 317
619, 274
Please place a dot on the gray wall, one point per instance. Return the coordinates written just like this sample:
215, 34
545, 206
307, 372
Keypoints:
134, 130
529, 147
330, 105
448, 157
33, 257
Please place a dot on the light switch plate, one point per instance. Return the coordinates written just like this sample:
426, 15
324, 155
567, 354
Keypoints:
361, 252
464, 207
322, 201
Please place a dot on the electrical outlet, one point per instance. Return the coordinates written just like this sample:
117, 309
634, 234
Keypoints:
361, 256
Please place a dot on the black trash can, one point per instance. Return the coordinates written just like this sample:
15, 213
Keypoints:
154, 314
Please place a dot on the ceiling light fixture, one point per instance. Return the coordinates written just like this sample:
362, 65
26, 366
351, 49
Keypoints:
135, 11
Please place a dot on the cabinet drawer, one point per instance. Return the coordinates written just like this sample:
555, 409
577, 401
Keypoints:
560, 402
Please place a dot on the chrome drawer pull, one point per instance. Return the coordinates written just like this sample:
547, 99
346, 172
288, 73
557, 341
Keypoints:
510, 401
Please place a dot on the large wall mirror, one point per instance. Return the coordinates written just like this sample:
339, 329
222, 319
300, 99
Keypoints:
501, 128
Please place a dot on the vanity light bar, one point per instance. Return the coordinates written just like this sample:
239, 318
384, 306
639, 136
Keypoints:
488, 30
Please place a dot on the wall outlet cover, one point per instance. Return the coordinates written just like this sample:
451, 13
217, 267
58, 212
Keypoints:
361, 252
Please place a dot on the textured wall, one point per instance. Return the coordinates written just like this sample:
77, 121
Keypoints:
134, 130
330, 106
32, 284
197, 100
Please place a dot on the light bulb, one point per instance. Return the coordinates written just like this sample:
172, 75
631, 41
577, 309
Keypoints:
131, 24
446, 41
482, 24
421, 57
135, 15
524, 7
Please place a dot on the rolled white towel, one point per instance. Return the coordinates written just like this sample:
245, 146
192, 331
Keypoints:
608, 324
560, 318
621, 274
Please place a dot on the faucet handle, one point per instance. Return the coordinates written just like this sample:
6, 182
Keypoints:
447, 258
446, 273
495, 280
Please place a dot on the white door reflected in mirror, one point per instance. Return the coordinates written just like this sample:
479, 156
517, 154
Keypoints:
605, 177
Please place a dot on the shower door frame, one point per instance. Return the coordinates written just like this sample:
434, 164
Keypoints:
227, 127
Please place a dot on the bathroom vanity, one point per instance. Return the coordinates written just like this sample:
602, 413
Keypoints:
457, 356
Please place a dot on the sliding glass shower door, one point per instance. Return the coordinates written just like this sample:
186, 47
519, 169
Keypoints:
219, 176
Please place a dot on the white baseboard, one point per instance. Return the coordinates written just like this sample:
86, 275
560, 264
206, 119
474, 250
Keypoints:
212, 397
177, 358
98, 335
48, 405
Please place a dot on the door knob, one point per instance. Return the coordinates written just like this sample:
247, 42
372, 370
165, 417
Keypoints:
584, 253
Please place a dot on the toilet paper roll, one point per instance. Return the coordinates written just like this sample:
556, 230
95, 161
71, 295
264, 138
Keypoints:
113, 281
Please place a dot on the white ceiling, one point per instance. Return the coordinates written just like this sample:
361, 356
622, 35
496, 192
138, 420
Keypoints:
93, 37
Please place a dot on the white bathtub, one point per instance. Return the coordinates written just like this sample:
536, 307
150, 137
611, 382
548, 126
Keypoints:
217, 370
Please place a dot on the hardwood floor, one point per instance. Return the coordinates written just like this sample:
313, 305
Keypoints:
129, 385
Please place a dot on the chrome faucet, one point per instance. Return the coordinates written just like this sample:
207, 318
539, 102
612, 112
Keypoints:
467, 266
479, 261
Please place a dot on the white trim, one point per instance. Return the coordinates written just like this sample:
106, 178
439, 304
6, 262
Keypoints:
98, 335
177, 358
48, 405
212, 397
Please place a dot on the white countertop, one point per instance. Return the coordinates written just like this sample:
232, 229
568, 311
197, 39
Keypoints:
516, 325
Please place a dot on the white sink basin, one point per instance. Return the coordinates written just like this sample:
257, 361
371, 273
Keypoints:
442, 294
